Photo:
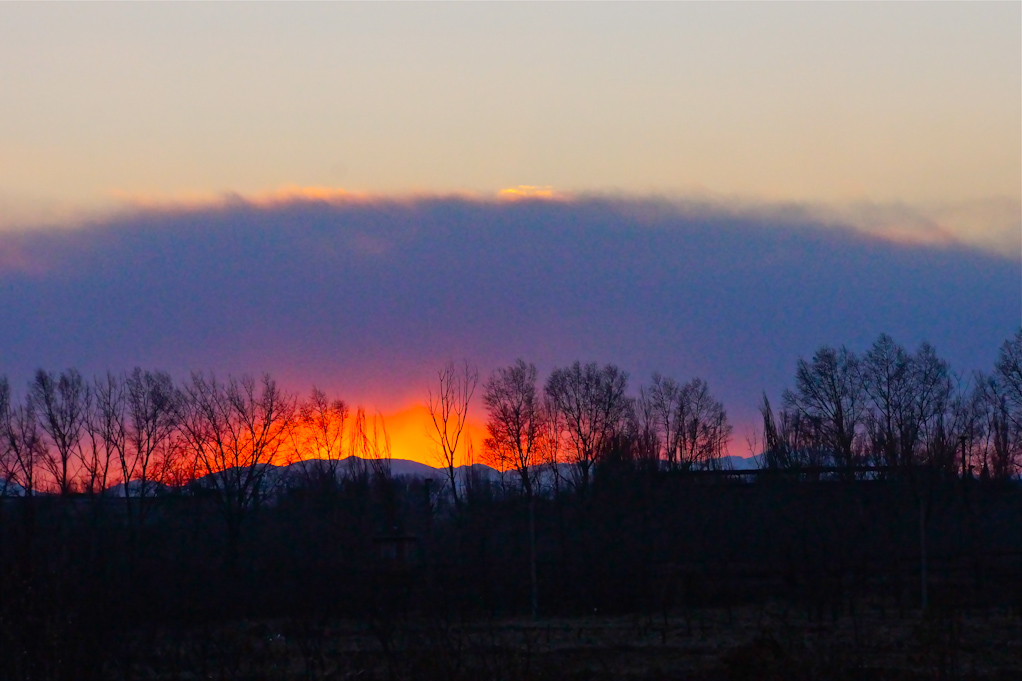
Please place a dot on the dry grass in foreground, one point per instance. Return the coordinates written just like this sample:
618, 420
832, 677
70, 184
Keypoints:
747, 643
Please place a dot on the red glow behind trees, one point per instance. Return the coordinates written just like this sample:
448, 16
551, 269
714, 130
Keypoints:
318, 437
886, 407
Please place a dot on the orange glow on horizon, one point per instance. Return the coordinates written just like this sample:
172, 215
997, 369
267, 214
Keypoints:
409, 434
409, 431
528, 191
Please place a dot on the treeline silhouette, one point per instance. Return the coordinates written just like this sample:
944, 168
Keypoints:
150, 529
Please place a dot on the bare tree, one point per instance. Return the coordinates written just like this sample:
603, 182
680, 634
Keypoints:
370, 445
647, 446
5, 407
514, 422
476, 483
828, 393
777, 451
941, 407
703, 428
890, 407
551, 442
790, 441
152, 408
236, 430
892, 422
1000, 402
23, 446
1008, 372
17, 462
98, 459
658, 405
594, 407
515, 425
62, 406
371, 458
996, 441
448, 400
107, 427
319, 437
682, 425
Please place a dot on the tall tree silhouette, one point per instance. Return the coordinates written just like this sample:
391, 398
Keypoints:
515, 424
828, 394
21, 443
235, 429
659, 405
1009, 375
151, 411
891, 419
62, 405
703, 428
941, 409
594, 406
448, 400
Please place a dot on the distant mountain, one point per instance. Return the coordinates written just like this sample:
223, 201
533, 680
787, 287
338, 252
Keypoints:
413, 469
740, 463
342, 467
134, 489
276, 475
11, 489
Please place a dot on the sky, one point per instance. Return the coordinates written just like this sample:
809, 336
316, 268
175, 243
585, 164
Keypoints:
347, 195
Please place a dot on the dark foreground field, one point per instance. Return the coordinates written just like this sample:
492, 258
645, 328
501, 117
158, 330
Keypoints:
647, 576
741, 643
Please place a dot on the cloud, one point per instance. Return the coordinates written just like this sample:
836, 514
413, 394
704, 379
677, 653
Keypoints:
366, 296
991, 224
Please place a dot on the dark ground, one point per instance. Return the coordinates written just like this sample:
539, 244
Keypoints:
740, 643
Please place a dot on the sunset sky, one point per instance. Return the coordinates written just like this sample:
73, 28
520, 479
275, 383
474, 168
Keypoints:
347, 195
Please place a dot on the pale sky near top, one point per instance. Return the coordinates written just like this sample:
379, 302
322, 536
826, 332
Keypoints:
917, 104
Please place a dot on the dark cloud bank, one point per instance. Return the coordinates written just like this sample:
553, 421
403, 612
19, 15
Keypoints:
367, 298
